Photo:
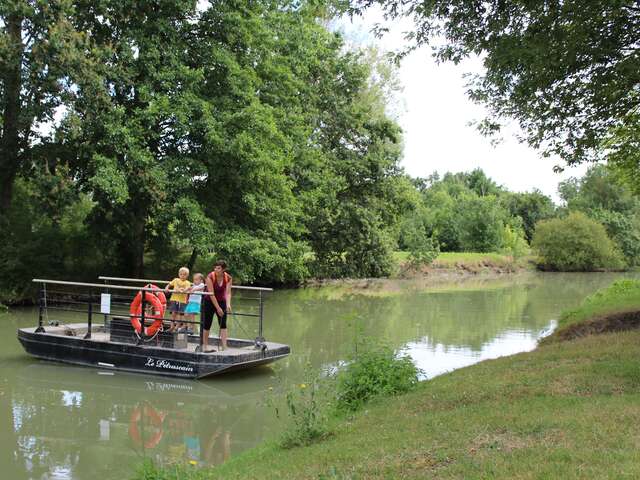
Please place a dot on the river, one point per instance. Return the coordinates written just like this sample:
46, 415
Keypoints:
64, 422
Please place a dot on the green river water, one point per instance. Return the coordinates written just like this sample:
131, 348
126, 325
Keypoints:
64, 422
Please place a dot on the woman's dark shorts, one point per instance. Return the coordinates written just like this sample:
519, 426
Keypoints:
208, 310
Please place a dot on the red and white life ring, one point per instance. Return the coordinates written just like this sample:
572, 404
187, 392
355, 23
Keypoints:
135, 311
158, 293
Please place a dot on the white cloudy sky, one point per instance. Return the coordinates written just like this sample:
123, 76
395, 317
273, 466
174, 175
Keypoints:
437, 114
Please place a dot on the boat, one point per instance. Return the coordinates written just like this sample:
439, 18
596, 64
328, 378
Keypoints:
107, 339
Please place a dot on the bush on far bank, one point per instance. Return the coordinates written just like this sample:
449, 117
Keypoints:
575, 243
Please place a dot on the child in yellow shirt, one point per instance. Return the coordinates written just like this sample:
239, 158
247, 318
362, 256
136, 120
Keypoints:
178, 301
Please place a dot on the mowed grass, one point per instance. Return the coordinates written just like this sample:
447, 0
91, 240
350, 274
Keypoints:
568, 410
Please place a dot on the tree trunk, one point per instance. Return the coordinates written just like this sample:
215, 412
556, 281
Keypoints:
10, 139
132, 242
139, 239
192, 259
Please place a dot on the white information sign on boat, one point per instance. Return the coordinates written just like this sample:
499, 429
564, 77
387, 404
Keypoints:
105, 303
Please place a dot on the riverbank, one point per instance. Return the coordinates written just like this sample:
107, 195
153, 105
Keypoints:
449, 269
465, 263
565, 410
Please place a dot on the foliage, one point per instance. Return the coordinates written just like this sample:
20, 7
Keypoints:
38, 47
566, 71
306, 412
531, 207
374, 371
461, 212
575, 243
241, 130
513, 242
148, 470
423, 250
481, 221
623, 150
624, 230
597, 189
43, 236
601, 196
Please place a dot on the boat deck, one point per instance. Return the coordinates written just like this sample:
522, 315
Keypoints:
235, 348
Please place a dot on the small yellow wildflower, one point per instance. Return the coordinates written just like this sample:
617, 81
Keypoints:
302, 385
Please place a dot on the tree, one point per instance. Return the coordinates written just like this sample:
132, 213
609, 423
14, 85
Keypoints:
482, 185
623, 150
567, 71
126, 127
38, 47
598, 188
601, 196
482, 221
531, 207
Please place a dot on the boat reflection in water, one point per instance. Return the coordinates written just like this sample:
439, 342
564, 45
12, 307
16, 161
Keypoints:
112, 421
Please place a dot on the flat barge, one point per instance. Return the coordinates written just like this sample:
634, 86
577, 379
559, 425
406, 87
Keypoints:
107, 339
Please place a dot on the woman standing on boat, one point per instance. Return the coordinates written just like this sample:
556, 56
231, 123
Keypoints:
219, 283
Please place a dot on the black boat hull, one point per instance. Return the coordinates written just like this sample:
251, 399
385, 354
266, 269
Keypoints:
146, 359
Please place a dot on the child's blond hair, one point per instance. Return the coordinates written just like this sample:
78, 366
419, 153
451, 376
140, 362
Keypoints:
183, 269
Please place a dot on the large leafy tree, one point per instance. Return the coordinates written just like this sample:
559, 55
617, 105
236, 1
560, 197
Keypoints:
38, 47
244, 130
531, 207
126, 127
567, 71
304, 161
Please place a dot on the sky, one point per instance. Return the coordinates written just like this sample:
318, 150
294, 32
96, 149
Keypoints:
436, 113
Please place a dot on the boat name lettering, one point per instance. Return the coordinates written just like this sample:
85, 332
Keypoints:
165, 364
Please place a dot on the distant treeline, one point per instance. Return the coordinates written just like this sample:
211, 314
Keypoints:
597, 227
141, 136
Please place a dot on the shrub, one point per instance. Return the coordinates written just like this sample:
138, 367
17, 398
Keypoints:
307, 418
575, 243
422, 249
514, 242
375, 371
622, 228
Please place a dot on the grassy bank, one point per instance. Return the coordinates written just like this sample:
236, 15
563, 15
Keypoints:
465, 262
615, 308
566, 410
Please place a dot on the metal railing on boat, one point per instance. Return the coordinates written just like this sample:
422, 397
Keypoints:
70, 299
261, 291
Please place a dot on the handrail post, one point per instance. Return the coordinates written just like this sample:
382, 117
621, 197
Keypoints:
259, 341
202, 300
40, 328
261, 313
89, 315
142, 312
106, 316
